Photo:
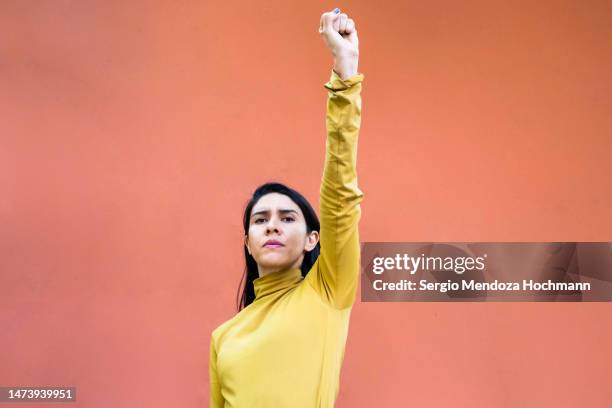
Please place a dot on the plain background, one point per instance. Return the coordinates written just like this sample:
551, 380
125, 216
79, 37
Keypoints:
133, 133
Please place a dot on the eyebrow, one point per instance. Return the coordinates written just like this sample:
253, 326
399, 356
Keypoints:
284, 211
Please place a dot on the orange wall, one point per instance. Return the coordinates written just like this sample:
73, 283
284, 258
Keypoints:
132, 133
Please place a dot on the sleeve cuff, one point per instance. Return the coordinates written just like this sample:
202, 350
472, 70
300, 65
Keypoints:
336, 83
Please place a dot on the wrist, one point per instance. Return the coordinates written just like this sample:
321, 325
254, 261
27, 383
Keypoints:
346, 67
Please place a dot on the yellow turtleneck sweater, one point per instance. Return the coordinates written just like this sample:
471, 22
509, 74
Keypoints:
286, 348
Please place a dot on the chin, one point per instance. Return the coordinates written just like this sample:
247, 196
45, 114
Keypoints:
273, 262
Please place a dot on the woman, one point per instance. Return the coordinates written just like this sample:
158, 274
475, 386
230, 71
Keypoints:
286, 345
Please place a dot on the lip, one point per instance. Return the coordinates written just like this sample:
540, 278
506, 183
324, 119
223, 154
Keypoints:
272, 243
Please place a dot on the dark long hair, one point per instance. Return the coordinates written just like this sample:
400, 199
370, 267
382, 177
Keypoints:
246, 292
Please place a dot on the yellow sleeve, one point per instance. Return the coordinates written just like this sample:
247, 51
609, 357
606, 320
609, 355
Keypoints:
216, 398
336, 272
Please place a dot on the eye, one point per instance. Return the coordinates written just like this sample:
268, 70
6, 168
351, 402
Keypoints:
289, 218
259, 219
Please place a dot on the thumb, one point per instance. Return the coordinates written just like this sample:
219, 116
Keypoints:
328, 19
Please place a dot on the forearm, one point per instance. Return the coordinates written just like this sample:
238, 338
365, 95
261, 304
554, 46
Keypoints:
343, 123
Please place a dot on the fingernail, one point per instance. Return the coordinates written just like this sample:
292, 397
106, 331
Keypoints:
336, 10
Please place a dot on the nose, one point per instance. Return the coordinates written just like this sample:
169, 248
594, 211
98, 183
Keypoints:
272, 225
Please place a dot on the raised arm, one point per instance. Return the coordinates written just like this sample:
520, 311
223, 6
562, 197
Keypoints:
336, 272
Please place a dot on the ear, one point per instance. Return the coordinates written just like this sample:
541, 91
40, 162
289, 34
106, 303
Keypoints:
311, 241
246, 243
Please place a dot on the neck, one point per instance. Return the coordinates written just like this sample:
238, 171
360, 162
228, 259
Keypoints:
277, 283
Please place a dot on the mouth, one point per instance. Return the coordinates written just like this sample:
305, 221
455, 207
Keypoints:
273, 244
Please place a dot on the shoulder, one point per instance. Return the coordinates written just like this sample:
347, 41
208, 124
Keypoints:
221, 330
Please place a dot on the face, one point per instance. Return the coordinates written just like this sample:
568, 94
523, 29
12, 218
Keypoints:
276, 217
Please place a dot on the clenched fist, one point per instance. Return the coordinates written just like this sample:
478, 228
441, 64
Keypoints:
340, 35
